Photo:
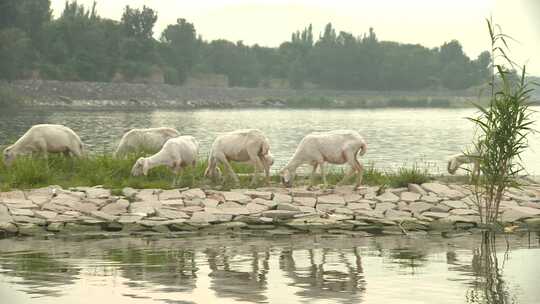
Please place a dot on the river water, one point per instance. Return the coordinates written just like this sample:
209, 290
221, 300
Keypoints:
292, 269
396, 137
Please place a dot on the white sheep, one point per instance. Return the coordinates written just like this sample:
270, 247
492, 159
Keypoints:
248, 145
149, 140
334, 147
45, 138
177, 153
456, 161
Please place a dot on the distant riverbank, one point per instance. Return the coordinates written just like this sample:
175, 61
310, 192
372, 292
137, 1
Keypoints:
90, 95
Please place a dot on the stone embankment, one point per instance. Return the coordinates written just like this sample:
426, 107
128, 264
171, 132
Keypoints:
95, 95
418, 209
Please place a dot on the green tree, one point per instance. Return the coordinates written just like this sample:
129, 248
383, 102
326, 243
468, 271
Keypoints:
15, 49
180, 48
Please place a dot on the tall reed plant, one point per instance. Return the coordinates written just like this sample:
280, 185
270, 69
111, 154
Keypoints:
502, 127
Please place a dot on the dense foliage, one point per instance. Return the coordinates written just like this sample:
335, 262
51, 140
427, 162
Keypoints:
81, 45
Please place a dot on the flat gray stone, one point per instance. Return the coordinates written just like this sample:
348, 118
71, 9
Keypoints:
259, 194
356, 206
416, 189
455, 204
281, 198
382, 207
255, 220
193, 193
96, 192
453, 218
361, 214
270, 204
104, 216
179, 203
463, 212
116, 208
343, 210
24, 212
409, 196
129, 218
192, 209
236, 197
256, 208
314, 223
333, 199
305, 201
519, 213
19, 203
387, 197
352, 198
12, 195
210, 202
280, 214
243, 210
392, 214
439, 208
419, 207
171, 214
145, 208
173, 194
431, 199
129, 192
147, 195
44, 214
55, 207
435, 215
298, 192
326, 207
83, 207
206, 217
443, 190
55, 227
287, 206
306, 209
28, 219
229, 204
30, 229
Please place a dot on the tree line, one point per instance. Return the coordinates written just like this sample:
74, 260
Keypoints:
80, 45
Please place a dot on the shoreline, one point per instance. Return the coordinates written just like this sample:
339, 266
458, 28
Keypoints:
79, 95
430, 208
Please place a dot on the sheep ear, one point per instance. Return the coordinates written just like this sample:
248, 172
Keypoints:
145, 167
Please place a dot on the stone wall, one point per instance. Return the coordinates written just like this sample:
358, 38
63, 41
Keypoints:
434, 207
97, 94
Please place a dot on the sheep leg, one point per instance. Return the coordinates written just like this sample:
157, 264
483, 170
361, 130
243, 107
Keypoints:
323, 173
346, 177
230, 170
313, 172
355, 166
257, 163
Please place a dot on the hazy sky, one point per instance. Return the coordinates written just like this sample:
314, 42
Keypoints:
428, 22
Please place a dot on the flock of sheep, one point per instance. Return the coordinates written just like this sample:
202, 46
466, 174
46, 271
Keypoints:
179, 151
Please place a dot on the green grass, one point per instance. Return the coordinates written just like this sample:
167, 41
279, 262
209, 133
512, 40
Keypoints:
104, 170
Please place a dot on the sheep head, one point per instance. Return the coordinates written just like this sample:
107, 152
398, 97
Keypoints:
140, 167
9, 156
286, 177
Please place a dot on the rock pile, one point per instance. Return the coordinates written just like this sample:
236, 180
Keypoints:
274, 211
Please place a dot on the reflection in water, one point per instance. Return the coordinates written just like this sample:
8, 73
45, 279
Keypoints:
325, 273
488, 286
299, 269
396, 137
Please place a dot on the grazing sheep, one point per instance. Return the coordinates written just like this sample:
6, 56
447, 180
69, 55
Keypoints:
247, 145
177, 153
334, 147
150, 140
45, 139
456, 161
